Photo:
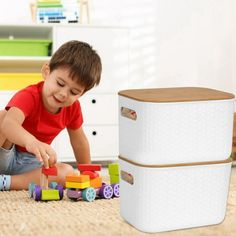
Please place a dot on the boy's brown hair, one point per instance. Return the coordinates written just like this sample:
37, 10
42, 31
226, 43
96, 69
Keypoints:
82, 60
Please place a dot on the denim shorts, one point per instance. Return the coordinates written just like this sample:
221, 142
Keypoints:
14, 162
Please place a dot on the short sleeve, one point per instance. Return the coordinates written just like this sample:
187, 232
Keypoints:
75, 116
23, 100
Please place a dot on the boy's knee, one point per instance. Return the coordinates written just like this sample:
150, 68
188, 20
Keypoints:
63, 170
67, 169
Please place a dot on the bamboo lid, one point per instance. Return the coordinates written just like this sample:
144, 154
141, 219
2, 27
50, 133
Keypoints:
178, 94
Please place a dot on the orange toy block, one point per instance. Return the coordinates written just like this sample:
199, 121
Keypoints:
91, 174
50, 171
77, 178
89, 167
96, 182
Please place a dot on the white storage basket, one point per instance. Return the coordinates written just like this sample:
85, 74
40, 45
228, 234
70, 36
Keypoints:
175, 125
163, 198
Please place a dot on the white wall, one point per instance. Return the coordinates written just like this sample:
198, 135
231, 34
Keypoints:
174, 42
195, 39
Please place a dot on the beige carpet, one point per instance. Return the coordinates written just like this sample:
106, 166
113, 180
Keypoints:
20, 215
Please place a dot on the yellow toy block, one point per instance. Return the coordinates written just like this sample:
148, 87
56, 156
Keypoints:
50, 194
77, 178
114, 179
113, 169
78, 185
96, 182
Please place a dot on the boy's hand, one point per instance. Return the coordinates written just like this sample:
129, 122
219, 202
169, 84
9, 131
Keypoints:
43, 152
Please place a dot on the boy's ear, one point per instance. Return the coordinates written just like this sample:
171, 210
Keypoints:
45, 70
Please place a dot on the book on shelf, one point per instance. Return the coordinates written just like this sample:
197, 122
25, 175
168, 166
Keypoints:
57, 11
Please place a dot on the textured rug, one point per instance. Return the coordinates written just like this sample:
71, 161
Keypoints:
20, 215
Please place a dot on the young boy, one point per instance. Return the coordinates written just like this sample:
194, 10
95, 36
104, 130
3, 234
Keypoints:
35, 116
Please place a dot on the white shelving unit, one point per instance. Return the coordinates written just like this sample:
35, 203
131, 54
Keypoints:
100, 105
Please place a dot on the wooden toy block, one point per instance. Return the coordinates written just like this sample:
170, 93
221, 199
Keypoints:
91, 174
77, 178
52, 171
50, 194
114, 179
113, 169
96, 182
90, 167
78, 185
44, 181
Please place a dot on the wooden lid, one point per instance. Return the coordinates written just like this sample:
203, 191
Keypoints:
179, 94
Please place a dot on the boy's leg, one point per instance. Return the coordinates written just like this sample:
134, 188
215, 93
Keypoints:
22, 181
2, 138
5, 180
3, 141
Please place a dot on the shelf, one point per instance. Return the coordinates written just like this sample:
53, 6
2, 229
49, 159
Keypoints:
21, 64
16, 59
26, 31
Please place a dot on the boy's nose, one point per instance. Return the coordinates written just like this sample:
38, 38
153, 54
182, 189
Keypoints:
63, 93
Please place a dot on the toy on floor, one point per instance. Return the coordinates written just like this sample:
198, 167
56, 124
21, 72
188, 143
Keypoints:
114, 173
88, 185
43, 192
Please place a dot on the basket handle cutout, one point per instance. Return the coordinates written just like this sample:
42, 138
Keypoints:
127, 177
128, 113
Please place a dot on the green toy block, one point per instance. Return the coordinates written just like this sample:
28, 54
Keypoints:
114, 179
113, 169
50, 194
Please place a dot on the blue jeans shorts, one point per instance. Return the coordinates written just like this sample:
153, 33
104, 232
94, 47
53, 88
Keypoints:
14, 162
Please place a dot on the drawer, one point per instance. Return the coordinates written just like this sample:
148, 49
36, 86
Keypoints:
25, 47
103, 142
100, 108
16, 81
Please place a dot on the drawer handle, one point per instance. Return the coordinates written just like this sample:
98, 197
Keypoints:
93, 101
127, 177
94, 133
128, 113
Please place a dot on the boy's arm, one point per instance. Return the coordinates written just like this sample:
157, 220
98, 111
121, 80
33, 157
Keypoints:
80, 145
12, 129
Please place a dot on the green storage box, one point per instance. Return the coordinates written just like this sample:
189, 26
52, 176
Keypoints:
25, 47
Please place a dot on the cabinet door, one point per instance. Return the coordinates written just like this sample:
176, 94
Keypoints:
112, 44
100, 108
103, 142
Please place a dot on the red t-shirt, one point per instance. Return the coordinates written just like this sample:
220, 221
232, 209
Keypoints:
45, 126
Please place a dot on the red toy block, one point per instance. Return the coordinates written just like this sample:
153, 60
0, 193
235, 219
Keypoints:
92, 174
89, 167
50, 171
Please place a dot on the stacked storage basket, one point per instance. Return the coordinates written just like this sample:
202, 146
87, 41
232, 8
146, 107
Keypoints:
175, 145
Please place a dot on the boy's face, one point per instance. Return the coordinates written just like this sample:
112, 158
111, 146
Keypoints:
59, 90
